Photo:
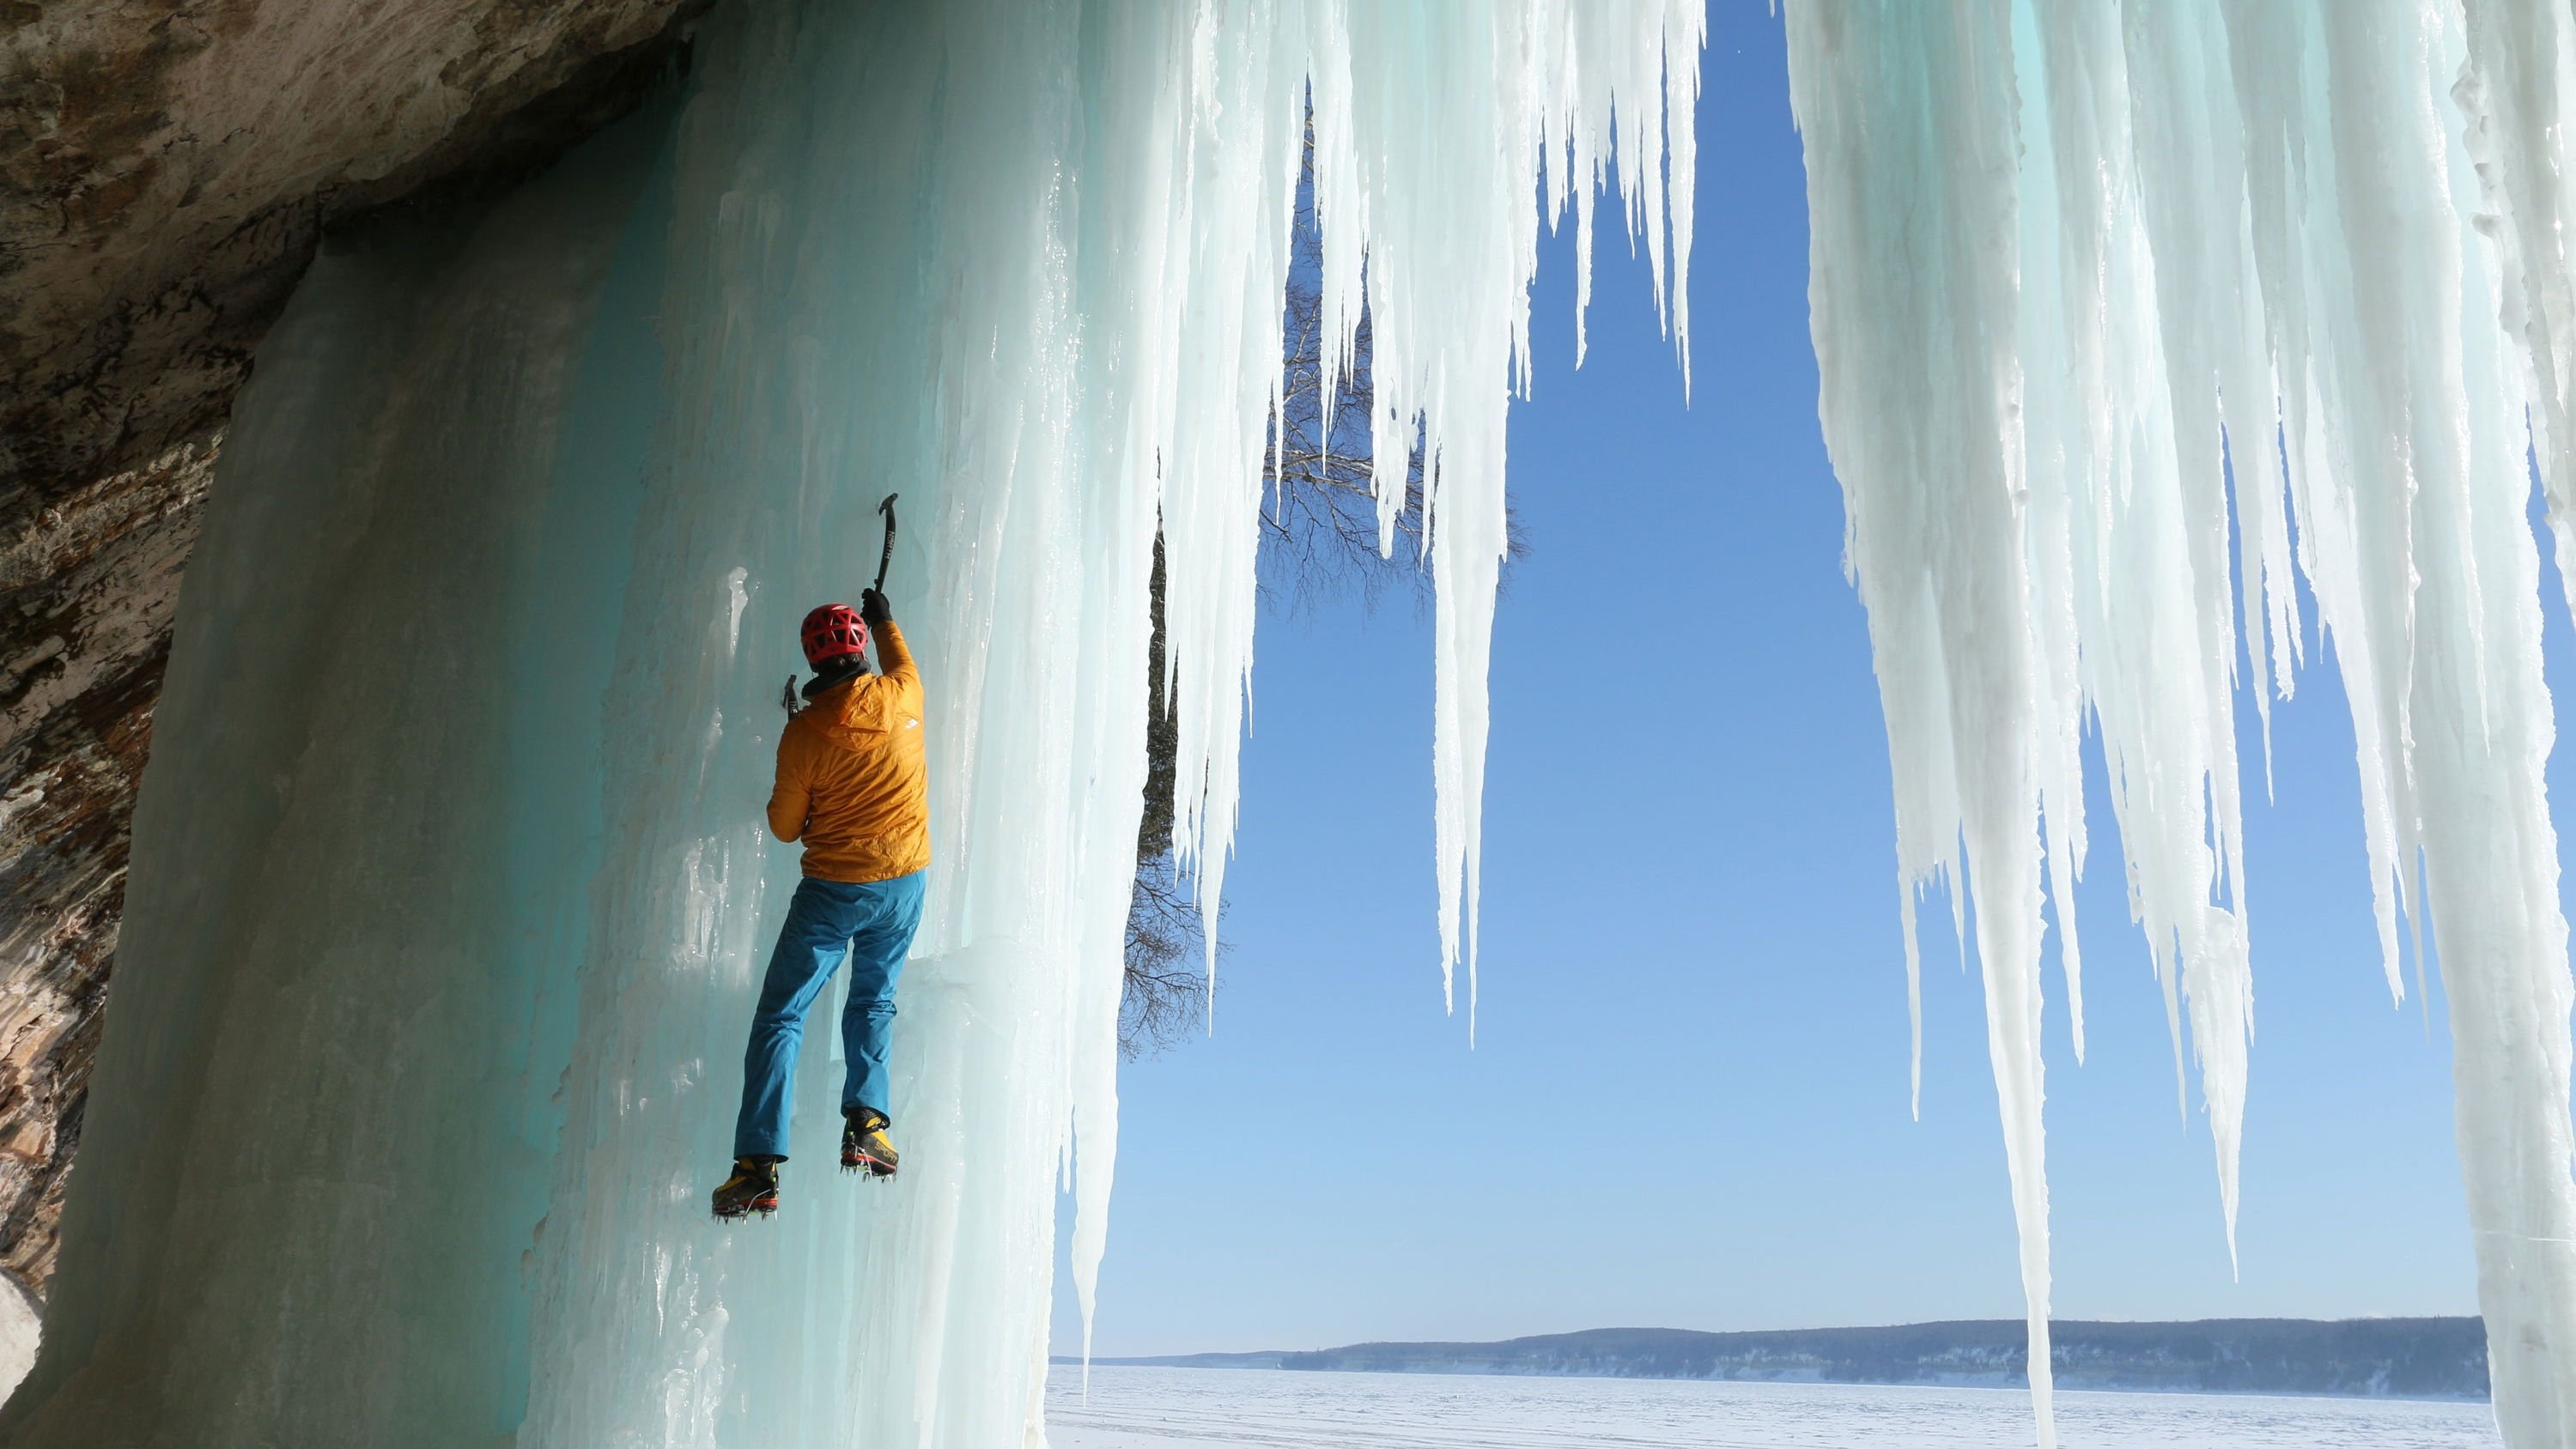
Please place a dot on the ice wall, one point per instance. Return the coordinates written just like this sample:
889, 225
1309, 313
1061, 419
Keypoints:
2094, 285
449, 885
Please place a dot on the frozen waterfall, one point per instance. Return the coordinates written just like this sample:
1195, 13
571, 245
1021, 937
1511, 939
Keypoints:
2094, 285
449, 882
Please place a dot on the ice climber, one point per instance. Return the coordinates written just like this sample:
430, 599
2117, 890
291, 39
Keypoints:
854, 787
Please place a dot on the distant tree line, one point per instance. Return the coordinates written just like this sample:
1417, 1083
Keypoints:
2377, 1357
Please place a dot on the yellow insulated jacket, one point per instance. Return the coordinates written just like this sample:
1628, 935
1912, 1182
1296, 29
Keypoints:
853, 783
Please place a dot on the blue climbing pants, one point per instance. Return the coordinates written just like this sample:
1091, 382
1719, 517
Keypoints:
872, 926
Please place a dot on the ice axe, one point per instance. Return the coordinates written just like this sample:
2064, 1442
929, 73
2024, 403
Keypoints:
886, 556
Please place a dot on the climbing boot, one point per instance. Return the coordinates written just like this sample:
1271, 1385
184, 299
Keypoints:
864, 1146
753, 1188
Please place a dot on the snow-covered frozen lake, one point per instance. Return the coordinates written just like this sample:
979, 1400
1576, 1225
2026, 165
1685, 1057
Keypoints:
1147, 1408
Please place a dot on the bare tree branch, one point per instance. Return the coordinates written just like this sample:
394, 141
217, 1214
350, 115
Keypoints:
1319, 537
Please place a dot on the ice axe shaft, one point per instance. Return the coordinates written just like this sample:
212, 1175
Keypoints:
886, 556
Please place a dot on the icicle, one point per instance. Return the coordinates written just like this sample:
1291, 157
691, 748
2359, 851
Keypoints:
2084, 256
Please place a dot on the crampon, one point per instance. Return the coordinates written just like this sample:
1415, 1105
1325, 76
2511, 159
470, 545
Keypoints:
864, 1145
751, 1191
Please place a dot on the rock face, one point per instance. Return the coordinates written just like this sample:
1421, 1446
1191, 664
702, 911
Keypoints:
87, 590
166, 169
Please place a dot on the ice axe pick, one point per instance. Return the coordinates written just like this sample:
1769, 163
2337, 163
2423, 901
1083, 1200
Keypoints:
886, 556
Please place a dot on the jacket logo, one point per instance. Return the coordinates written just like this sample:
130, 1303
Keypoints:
912, 724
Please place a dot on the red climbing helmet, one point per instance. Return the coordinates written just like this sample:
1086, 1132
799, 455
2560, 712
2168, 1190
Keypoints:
833, 631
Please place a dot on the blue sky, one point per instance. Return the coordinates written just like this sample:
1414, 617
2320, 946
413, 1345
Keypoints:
1687, 1102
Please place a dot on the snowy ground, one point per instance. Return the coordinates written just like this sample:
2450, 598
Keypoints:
1140, 1408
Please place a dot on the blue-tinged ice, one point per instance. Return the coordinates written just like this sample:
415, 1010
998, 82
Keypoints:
449, 881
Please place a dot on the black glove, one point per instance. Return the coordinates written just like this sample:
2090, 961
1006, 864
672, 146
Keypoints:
873, 610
